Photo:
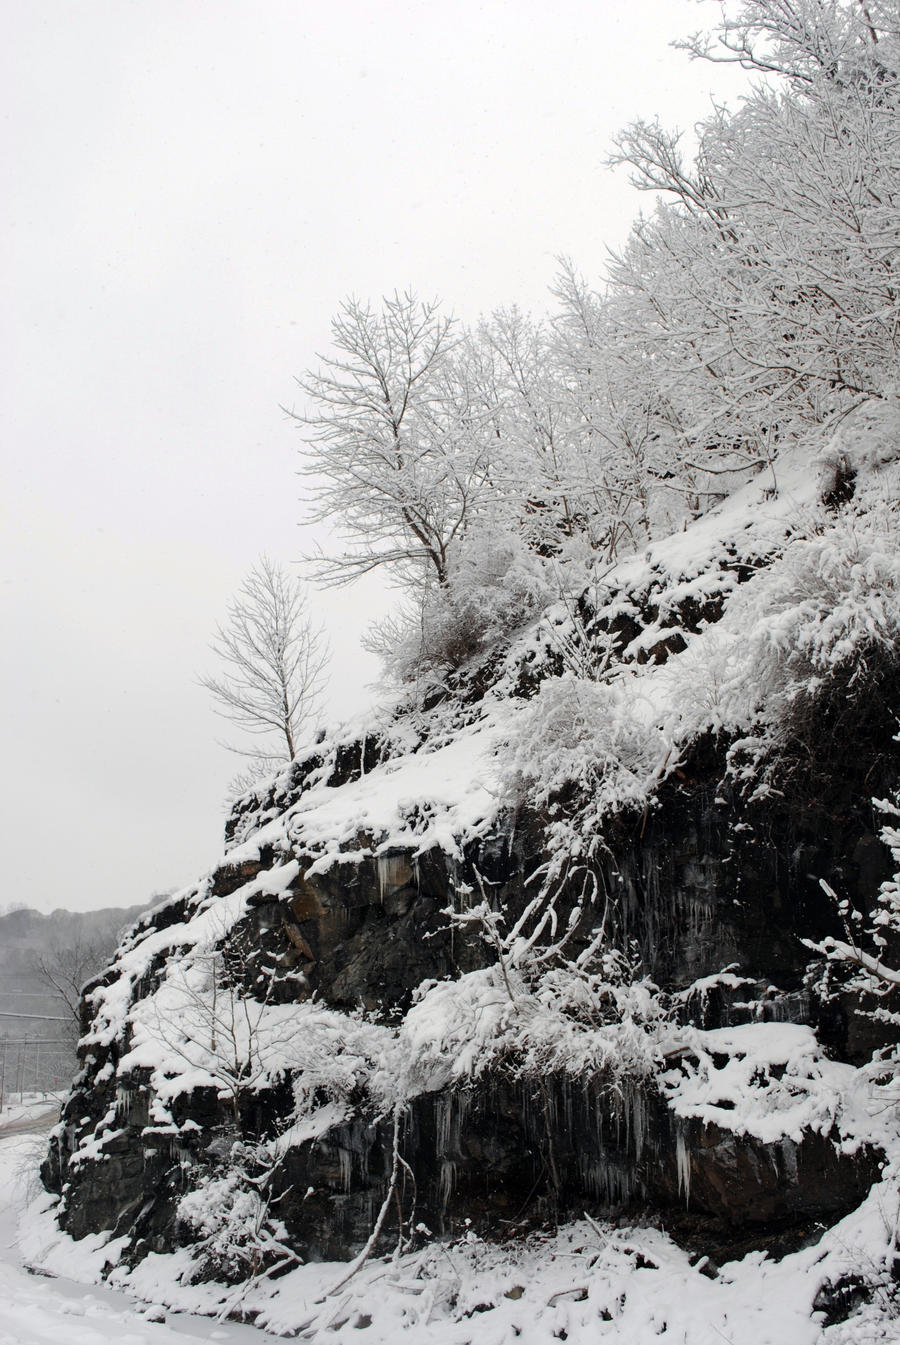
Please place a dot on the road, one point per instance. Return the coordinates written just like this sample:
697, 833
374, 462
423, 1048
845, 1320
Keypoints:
41, 1119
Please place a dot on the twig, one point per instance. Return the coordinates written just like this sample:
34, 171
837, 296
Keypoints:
366, 1252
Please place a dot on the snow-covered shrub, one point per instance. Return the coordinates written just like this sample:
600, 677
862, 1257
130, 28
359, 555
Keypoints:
601, 737
863, 444
228, 1219
824, 620
583, 752
494, 587
534, 1021
830, 600
574, 641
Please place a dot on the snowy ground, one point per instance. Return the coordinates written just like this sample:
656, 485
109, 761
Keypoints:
587, 1283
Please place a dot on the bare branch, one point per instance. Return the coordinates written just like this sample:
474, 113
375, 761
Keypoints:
273, 660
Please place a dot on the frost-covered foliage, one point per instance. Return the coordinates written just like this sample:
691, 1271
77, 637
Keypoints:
199, 1028
832, 601
757, 302
229, 1221
866, 959
272, 659
494, 586
607, 1024
765, 279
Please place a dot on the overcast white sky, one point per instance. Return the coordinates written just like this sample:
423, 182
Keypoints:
191, 188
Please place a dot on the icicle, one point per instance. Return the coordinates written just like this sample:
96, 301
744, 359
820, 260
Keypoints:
606, 1180
446, 1183
345, 1163
444, 1123
179, 1154
638, 1120
683, 1164
393, 873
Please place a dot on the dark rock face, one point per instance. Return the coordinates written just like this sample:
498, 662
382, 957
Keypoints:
745, 1184
507, 1155
502, 1155
704, 880
366, 933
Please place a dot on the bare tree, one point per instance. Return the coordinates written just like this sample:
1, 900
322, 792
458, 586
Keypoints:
273, 658
210, 1022
65, 967
393, 451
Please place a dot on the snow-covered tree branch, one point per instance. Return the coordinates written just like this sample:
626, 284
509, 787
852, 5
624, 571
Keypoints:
869, 948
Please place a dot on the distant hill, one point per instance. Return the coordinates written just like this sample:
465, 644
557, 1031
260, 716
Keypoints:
44, 961
26, 929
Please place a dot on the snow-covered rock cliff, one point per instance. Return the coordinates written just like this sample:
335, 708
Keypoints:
540, 945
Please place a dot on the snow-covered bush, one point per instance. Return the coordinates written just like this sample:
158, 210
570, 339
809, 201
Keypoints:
229, 1220
832, 600
823, 623
606, 1023
494, 587
593, 735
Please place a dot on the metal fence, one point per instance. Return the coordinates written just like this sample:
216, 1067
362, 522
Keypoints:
36, 1059
34, 1065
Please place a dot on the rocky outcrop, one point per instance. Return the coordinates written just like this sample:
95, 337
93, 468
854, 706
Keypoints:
679, 763
703, 881
500, 1156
